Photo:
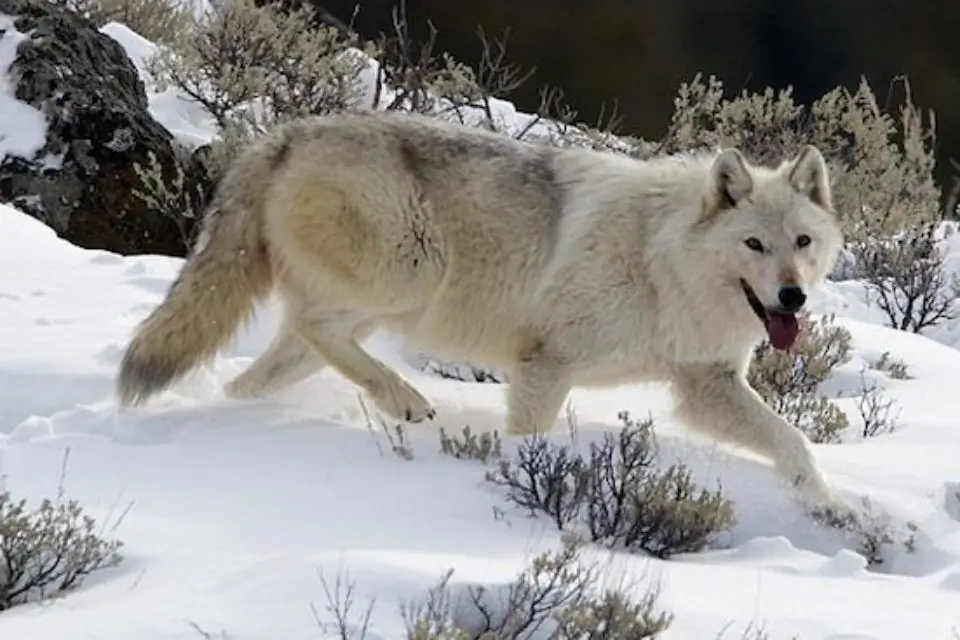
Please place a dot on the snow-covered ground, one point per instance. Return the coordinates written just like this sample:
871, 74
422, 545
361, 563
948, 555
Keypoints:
231, 511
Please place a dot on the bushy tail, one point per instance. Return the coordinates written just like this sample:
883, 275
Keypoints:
214, 294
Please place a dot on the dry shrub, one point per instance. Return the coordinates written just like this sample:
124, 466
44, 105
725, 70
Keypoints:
789, 381
874, 533
906, 279
469, 446
616, 492
555, 597
894, 368
875, 409
419, 79
252, 67
171, 195
559, 598
49, 550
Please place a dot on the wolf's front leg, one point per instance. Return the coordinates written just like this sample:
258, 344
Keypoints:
717, 401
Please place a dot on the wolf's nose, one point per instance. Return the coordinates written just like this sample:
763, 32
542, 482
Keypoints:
791, 298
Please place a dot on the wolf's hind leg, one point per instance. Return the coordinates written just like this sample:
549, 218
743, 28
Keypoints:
286, 361
334, 336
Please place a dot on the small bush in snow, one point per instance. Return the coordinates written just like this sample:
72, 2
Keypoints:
48, 550
789, 380
874, 533
906, 279
156, 20
339, 606
952, 208
875, 409
414, 77
896, 369
554, 598
468, 446
616, 492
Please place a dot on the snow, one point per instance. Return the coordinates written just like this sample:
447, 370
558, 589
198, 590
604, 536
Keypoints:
230, 511
23, 128
185, 119
236, 506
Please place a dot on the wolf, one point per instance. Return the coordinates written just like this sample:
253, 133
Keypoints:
560, 266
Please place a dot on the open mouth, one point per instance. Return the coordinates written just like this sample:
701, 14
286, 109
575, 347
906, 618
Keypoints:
782, 327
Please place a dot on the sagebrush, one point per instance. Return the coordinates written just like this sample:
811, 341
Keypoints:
789, 381
907, 279
469, 446
556, 596
874, 534
616, 493
48, 550
251, 67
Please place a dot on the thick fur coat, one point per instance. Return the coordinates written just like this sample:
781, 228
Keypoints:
561, 266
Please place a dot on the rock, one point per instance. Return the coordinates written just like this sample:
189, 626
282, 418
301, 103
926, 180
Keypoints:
82, 179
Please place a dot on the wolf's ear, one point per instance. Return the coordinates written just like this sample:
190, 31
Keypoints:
808, 175
730, 182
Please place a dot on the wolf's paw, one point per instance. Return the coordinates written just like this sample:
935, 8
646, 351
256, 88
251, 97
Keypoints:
403, 402
814, 492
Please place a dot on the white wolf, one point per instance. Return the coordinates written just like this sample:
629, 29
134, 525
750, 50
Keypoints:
560, 266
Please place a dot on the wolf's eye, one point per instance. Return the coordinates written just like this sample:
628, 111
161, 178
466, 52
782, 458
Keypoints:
754, 245
802, 241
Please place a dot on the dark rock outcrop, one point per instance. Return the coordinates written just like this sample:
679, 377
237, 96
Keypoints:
82, 181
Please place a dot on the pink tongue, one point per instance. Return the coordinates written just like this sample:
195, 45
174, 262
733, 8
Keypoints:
782, 329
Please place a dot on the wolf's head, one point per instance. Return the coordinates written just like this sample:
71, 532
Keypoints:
775, 233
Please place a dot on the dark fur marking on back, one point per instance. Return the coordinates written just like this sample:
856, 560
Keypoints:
281, 153
539, 173
538, 169
424, 153
413, 159
526, 172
